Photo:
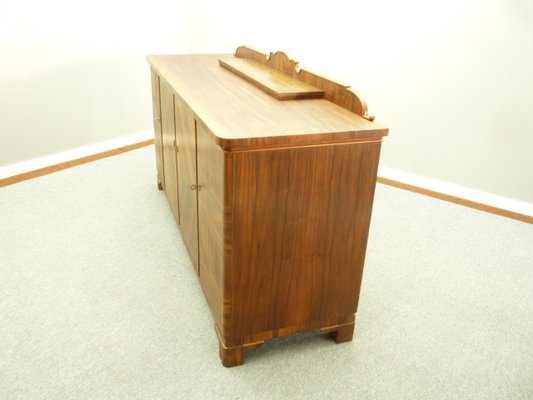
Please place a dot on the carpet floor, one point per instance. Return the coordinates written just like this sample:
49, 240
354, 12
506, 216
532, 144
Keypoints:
98, 300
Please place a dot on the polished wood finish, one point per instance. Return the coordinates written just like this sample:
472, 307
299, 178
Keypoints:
270, 80
283, 193
299, 238
211, 187
169, 148
158, 137
335, 92
242, 117
187, 179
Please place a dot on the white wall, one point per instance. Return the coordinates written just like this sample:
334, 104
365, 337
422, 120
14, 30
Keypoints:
451, 79
74, 73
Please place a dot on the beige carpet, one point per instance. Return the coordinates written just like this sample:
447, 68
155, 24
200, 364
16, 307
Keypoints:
98, 300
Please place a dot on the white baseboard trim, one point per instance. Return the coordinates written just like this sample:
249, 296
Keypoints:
456, 191
73, 154
392, 174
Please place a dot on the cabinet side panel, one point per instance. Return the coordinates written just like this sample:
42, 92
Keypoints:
211, 221
349, 209
168, 130
301, 219
156, 105
186, 139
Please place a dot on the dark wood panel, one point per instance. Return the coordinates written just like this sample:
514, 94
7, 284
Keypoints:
156, 107
349, 212
301, 239
186, 144
169, 146
211, 220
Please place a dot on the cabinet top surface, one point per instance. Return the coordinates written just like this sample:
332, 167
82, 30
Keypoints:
241, 116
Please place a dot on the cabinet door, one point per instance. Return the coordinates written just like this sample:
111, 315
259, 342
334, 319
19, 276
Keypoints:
169, 146
188, 202
156, 104
211, 171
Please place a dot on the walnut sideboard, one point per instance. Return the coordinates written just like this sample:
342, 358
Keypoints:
270, 173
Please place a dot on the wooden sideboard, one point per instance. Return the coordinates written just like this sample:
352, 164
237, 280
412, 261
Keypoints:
272, 191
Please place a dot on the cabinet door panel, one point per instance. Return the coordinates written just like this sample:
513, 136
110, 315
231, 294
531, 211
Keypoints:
169, 146
186, 136
156, 104
211, 220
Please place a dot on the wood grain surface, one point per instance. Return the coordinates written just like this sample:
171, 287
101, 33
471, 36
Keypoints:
168, 135
270, 80
335, 92
158, 138
241, 116
274, 200
187, 179
211, 221
303, 225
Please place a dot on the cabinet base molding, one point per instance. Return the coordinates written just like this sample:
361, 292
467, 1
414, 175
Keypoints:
232, 355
